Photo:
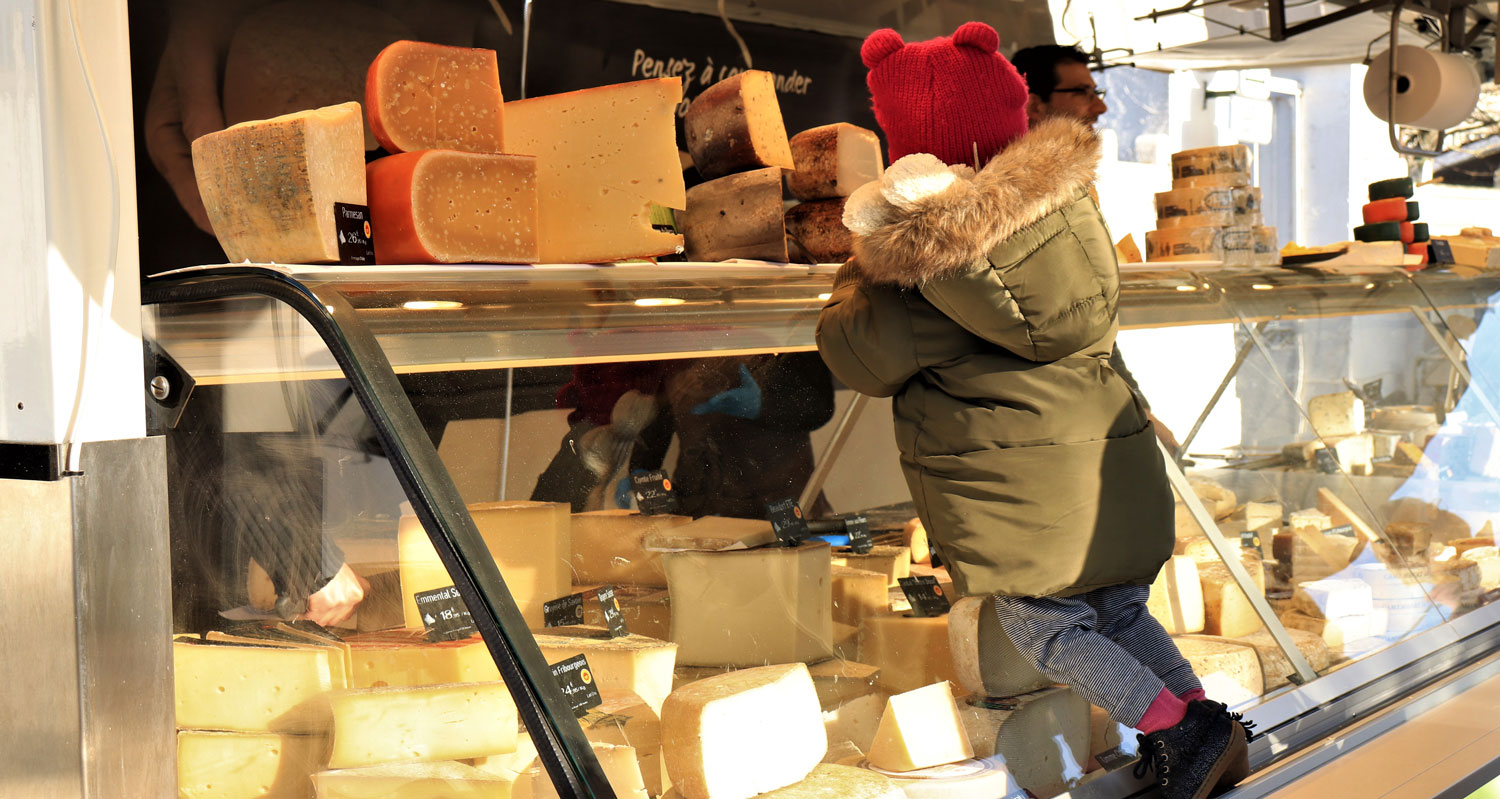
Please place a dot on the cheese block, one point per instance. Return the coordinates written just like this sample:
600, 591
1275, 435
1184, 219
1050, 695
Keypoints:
1333, 599
450, 207
1219, 501
1211, 219
1230, 673
647, 611
1043, 736
1180, 203
621, 768
831, 781
236, 765
1461, 576
736, 216
608, 547
833, 161
528, 540
1210, 161
858, 593
1488, 561
338, 653
735, 125
920, 729
914, 534
743, 733
1247, 201
1185, 244
817, 226
269, 186
511, 763
855, 720
1176, 598
1276, 668
1344, 636
1226, 610
1409, 539
985, 661
630, 664
402, 658
893, 562
1355, 453
910, 651
1340, 414
604, 156
835, 680
251, 688
625, 720
711, 534
1339, 513
423, 96
412, 781
440, 722
751, 607
1221, 179
1126, 251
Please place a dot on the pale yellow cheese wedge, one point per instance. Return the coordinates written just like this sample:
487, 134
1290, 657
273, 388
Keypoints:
609, 547
236, 765
441, 722
412, 781
910, 651
632, 664
251, 688
920, 729
396, 658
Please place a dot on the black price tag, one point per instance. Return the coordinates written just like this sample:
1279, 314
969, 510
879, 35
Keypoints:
356, 244
1115, 758
653, 493
1327, 461
787, 522
1249, 539
577, 683
857, 527
613, 618
925, 595
444, 614
1439, 252
564, 612
1373, 391
1343, 529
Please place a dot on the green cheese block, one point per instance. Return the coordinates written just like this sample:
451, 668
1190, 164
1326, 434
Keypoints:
1380, 231
1386, 189
1412, 210
1419, 232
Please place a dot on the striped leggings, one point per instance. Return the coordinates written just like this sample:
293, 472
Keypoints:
1102, 644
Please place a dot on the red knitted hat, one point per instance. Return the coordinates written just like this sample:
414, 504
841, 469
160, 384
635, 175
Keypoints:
947, 95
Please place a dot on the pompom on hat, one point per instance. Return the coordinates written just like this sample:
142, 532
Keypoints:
945, 96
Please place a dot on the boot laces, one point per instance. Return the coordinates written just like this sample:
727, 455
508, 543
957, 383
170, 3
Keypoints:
1153, 757
1239, 718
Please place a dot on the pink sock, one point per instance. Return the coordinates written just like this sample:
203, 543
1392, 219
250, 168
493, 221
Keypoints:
1166, 710
1195, 694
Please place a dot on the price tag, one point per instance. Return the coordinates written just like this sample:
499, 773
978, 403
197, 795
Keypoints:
1343, 529
857, 527
1115, 758
613, 618
1439, 252
787, 522
925, 595
564, 612
577, 683
444, 614
1249, 539
352, 223
1327, 461
653, 493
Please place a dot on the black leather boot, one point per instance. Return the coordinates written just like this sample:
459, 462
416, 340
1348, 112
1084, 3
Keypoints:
1194, 759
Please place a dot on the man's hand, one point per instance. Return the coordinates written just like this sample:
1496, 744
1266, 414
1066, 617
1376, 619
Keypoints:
336, 601
1162, 432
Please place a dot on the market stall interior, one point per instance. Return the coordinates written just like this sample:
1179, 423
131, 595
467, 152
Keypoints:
499, 458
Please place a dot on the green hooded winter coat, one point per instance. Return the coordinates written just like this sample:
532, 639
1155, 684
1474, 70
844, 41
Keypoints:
986, 306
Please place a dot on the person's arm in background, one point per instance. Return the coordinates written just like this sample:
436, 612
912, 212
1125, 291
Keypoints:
1117, 362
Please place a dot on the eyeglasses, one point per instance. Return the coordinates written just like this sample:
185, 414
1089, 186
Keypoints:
1082, 91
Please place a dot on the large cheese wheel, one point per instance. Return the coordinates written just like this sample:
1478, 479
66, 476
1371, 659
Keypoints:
1230, 672
817, 226
1234, 158
833, 161
448, 207
985, 661
735, 125
736, 216
423, 96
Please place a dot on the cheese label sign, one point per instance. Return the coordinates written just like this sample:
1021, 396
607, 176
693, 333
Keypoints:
564, 612
444, 614
787, 522
613, 618
579, 688
1249, 539
1328, 461
1343, 529
653, 493
1115, 758
857, 527
356, 240
925, 595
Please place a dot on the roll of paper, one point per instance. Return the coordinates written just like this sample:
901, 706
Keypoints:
1433, 90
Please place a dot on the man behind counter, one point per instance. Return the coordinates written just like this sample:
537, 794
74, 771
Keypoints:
1060, 84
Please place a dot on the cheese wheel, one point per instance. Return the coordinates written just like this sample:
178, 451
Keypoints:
1210, 161
1419, 232
1266, 248
1185, 244
1176, 598
1246, 200
1394, 187
1389, 210
1196, 202
833, 161
1420, 249
1216, 180
423, 96
817, 226
1212, 219
1230, 672
735, 125
449, 207
736, 216
985, 661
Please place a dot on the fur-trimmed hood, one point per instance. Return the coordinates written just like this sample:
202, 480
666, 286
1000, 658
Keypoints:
925, 220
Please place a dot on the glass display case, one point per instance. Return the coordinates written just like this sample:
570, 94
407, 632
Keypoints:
474, 475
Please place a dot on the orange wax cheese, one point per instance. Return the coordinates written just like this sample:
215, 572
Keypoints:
1391, 210
1408, 233
736, 125
270, 185
604, 157
423, 96
446, 207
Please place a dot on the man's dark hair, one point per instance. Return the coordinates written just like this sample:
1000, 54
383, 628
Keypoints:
1038, 65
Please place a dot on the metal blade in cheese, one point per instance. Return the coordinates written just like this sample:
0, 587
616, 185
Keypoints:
528, 540
609, 547
1230, 672
439, 722
833, 161
894, 562
444, 780
910, 651
736, 216
269, 186
632, 664
736, 125
751, 607
424, 96
400, 658
920, 729
1176, 598
743, 733
238, 765
1226, 609
831, 781
1043, 736
604, 157
1340, 414
858, 593
985, 660
251, 688
451, 207
817, 227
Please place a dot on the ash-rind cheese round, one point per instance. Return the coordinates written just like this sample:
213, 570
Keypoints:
1195, 202
735, 125
1210, 161
833, 161
1217, 179
1185, 244
817, 226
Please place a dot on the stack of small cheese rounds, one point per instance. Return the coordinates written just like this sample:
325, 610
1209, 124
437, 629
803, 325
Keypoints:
832, 161
1212, 212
